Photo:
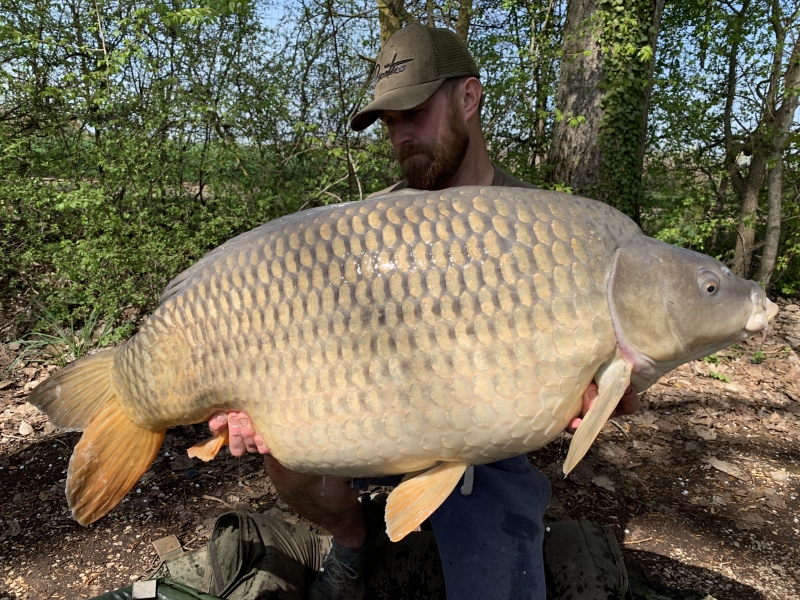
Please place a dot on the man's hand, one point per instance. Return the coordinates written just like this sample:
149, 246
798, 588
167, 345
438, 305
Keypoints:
242, 436
628, 404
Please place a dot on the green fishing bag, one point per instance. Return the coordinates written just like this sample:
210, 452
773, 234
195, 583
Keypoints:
254, 556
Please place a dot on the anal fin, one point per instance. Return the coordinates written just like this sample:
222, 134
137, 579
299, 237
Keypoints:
612, 380
417, 498
111, 456
208, 448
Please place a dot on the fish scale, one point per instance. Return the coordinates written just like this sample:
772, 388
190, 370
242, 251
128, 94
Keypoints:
383, 336
421, 331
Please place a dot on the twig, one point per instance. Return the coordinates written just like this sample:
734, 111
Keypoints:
621, 428
214, 499
332, 195
638, 541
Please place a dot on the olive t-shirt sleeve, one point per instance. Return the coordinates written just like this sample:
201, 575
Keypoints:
400, 185
501, 178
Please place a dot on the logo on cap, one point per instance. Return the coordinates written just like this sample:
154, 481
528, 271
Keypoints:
392, 68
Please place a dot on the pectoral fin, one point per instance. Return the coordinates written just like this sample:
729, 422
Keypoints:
612, 380
208, 448
417, 498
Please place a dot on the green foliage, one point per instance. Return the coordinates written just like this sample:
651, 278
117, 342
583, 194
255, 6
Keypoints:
719, 376
758, 357
712, 359
517, 46
690, 193
624, 27
157, 133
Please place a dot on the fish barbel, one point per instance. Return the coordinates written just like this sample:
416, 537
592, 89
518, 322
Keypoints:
417, 331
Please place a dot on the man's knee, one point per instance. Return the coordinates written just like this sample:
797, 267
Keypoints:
287, 482
335, 492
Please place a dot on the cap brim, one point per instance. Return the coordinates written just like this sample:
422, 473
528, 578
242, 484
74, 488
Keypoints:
402, 98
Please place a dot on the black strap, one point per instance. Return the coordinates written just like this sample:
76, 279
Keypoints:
214, 560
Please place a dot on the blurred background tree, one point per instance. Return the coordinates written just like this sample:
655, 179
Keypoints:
135, 136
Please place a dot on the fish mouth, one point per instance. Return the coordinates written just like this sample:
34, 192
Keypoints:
764, 310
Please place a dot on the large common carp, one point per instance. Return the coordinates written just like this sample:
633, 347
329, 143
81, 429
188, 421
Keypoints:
417, 331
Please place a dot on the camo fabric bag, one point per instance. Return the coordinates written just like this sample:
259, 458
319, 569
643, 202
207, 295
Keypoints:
252, 555
257, 556
583, 560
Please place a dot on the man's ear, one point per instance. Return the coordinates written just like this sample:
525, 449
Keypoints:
471, 97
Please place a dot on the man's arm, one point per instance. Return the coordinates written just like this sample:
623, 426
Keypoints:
243, 438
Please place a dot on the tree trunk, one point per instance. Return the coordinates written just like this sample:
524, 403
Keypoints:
742, 186
601, 154
769, 140
656, 8
574, 154
464, 15
392, 15
770, 253
746, 230
784, 116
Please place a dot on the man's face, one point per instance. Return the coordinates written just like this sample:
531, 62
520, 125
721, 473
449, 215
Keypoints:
431, 141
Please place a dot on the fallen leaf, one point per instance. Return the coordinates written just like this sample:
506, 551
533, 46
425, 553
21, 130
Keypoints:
779, 475
604, 482
750, 521
612, 452
707, 434
667, 426
776, 502
726, 467
31, 385
25, 428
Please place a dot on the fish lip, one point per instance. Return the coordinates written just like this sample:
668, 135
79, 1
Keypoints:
764, 310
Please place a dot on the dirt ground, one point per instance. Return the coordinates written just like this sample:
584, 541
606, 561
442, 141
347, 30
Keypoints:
701, 485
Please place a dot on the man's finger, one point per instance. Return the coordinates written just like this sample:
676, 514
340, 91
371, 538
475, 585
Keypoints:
236, 443
629, 403
218, 423
247, 429
261, 445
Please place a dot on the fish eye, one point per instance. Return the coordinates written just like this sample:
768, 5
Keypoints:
708, 281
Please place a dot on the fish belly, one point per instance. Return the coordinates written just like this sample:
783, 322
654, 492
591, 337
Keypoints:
382, 336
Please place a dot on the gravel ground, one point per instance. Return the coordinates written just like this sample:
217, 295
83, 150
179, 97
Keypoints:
701, 485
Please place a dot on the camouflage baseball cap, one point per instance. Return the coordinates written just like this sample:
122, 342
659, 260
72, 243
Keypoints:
411, 66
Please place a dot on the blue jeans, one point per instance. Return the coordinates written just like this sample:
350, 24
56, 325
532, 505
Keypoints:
490, 542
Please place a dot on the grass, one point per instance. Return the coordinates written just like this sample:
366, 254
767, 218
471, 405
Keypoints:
62, 345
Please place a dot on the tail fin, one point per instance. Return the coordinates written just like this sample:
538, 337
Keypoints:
113, 452
76, 392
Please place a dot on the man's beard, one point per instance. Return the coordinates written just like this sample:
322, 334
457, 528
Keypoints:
432, 166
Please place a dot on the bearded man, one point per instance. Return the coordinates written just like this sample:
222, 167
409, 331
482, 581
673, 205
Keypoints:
489, 540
